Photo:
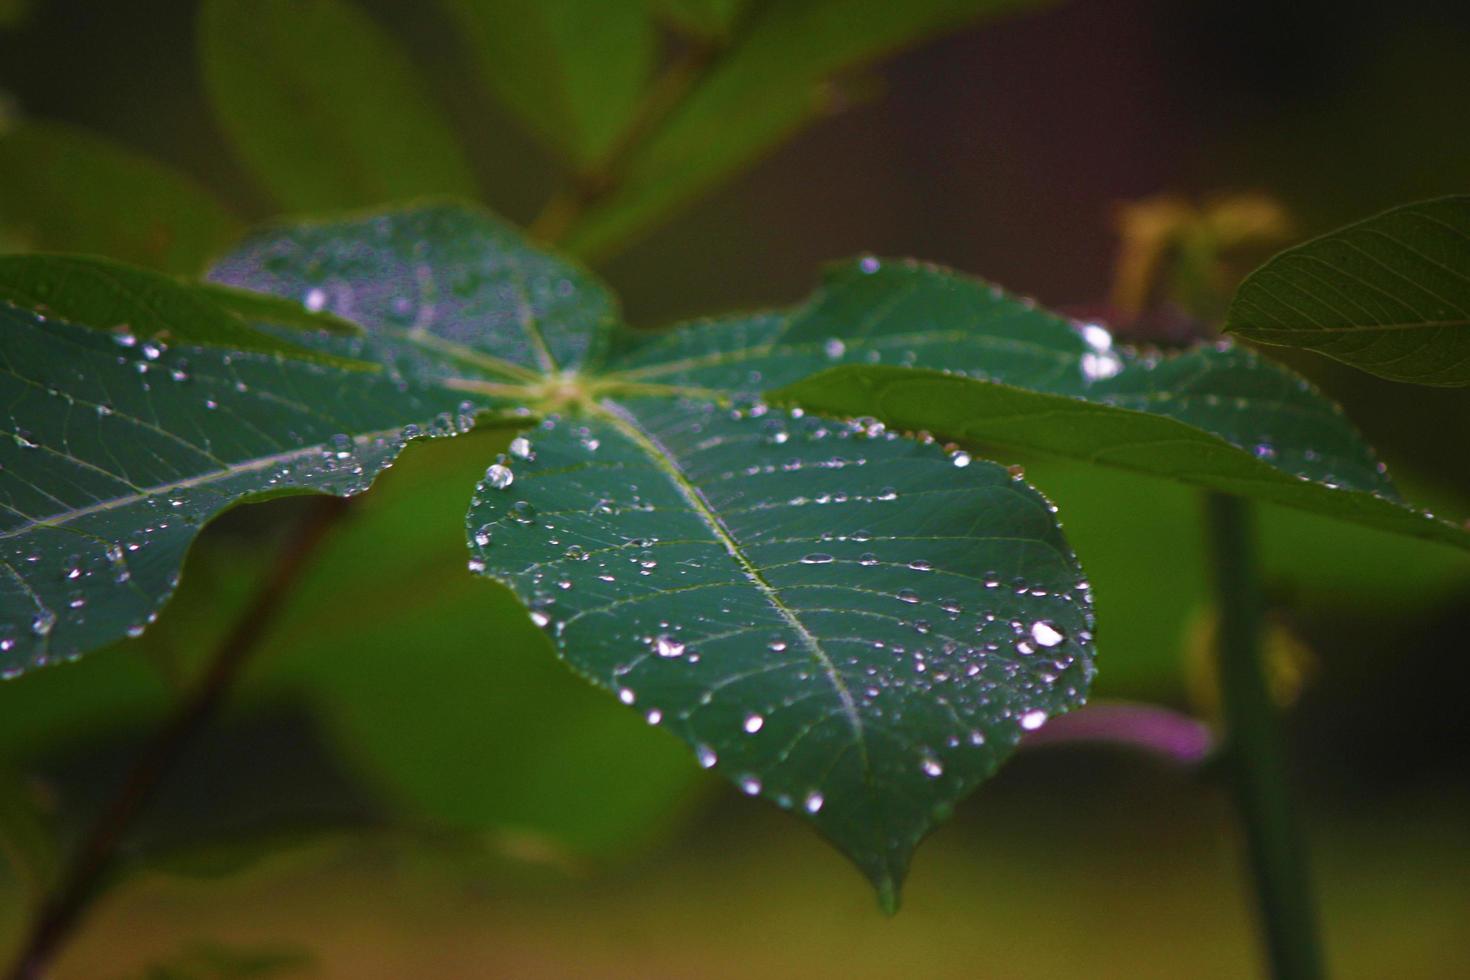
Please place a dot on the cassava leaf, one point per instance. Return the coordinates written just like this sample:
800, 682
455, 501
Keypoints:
572, 71
855, 625
111, 295
67, 190
1390, 295
323, 106
927, 349
120, 447
847, 623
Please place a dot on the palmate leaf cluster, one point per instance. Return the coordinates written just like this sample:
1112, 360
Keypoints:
856, 619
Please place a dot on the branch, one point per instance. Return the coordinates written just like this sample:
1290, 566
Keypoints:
97, 853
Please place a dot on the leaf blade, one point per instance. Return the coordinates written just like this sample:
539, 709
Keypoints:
1389, 295
761, 630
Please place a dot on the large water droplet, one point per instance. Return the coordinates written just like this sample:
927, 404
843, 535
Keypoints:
499, 476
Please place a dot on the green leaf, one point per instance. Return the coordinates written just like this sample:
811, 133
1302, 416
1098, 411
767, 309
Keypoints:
855, 625
137, 303
120, 448
706, 18
743, 610
1389, 295
926, 349
848, 623
766, 84
572, 71
66, 190
323, 107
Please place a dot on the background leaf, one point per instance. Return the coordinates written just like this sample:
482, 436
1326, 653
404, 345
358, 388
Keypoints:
323, 107
66, 190
572, 71
852, 625
1390, 295
756, 92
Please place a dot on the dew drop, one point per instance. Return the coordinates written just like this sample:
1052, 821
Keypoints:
499, 476
813, 802
932, 767
1046, 634
1033, 720
626, 695
834, 349
706, 757
667, 646
749, 785
960, 459
753, 724
907, 595
520, 448
816, 559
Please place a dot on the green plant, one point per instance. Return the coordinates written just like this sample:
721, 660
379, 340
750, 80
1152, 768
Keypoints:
774, 535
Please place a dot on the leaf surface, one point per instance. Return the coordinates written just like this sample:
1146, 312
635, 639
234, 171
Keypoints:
1389, 295
120, 447
323, 107
845, 622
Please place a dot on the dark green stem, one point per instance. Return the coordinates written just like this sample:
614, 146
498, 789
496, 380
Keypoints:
95, 859
1256, 753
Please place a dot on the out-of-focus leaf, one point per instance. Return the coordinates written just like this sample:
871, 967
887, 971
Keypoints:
705, 18
323, 107
27, 842
260, 308
1390, 295
761, 88
69, 191
572, 71
137, 304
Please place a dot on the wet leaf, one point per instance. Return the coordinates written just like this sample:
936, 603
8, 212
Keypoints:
150, 306
1389, 295
323, 106
120, 446
853, 624
845, 622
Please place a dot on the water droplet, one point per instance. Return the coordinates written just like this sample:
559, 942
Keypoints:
753, 724
816, 559
869, 265
482, 536
932, 767
834, 349
626, 695
1046, 634
813, 802
315, 299
907, 595
1033, 720
776, 645
499, 476
654, 716
706, 756
920, 565
667, 646
520, 448
960, 458
540, 618
749, 785
522, 512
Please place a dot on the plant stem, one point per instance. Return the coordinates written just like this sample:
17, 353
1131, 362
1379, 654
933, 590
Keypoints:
568, 205
94, 859
1255, 751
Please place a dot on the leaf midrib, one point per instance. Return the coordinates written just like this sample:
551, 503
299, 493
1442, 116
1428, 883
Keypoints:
664, 458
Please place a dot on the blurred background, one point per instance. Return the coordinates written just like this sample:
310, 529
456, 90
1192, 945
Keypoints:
410, 784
